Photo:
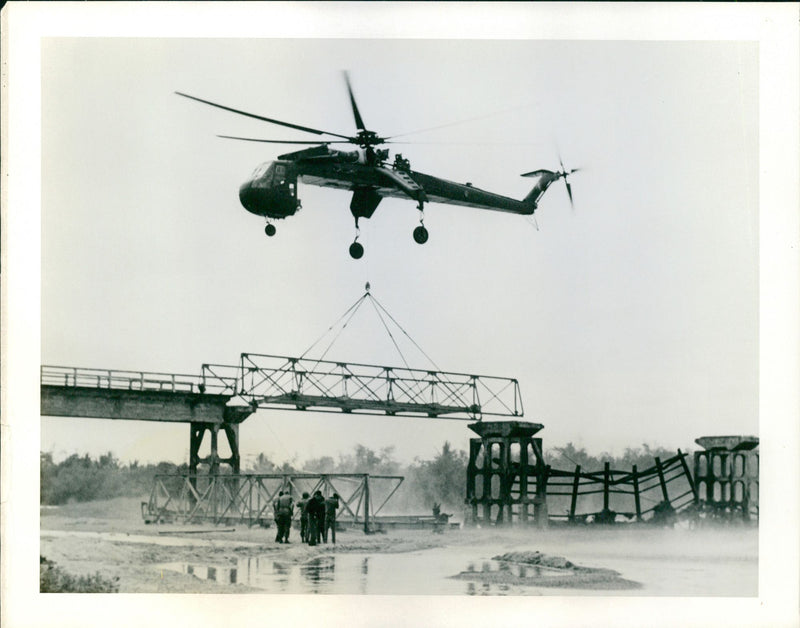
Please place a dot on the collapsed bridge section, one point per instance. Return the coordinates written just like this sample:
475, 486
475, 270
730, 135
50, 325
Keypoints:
249, 498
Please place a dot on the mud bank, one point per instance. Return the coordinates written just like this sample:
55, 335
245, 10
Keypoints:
534, 569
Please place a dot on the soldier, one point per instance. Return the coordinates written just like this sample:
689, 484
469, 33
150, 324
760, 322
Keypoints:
301, 506
316, 517
284, 507
331, 504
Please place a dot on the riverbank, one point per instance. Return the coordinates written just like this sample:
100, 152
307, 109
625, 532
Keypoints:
111, 539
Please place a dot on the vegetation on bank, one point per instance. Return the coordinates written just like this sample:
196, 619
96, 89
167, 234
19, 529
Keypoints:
83, 479
53, 579
438, 480
568, 456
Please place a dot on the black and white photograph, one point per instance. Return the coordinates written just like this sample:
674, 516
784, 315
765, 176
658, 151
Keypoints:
400, 313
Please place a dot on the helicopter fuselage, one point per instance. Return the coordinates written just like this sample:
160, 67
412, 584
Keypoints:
271, 191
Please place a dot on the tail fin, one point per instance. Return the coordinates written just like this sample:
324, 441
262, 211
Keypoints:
543, 180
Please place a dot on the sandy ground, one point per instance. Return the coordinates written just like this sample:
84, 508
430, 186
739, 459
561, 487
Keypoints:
110, 538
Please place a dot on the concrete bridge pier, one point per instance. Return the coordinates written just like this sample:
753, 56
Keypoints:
506, 474
213, 460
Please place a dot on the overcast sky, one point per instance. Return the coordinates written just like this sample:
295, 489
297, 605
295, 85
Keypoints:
632, 319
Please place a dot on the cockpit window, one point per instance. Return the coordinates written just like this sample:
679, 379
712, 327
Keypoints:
262, 177
272, 175
260, 170
280, 174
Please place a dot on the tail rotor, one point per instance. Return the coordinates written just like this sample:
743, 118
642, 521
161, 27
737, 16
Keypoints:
563, 174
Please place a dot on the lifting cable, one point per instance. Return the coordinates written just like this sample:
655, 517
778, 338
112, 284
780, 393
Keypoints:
391, 318
336, 337
388, 331
350, 313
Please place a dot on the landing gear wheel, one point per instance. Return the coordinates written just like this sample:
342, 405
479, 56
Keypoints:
420, 235
270, 230
356, 250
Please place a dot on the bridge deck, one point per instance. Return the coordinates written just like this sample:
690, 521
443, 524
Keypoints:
367, 406
140, 405
270, 382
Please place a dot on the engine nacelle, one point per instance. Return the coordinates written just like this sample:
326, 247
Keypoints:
271, 190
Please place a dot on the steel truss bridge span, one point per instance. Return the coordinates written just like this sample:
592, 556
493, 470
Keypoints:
249, 498
268, 381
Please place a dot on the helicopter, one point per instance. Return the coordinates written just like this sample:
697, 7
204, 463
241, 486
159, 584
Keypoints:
271, 191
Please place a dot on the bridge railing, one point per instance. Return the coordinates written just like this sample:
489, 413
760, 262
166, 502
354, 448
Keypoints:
221, 378
75, 377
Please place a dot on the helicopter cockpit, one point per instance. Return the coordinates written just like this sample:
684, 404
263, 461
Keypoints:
271, 190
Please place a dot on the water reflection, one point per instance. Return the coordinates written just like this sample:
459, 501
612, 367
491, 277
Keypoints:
415, 573
281, 571
362, 583
319, 572
482, 588
223, 575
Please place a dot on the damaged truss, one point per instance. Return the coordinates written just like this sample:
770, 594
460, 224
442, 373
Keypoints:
508, 481
227, 499
602, 496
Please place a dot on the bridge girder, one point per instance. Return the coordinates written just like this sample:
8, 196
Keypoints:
224, 396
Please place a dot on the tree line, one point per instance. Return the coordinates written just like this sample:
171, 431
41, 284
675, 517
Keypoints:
82, 478
438, 480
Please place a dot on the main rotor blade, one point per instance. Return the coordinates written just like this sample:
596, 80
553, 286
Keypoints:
253, 139
356, 114
257, 117
569, 193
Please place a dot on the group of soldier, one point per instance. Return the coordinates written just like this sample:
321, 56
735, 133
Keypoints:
317, 517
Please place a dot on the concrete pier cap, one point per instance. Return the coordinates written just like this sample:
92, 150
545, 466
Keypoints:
505, 429
731, 443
